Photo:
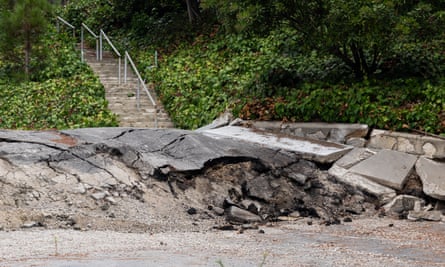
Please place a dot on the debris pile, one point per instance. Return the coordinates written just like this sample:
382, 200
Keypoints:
150, 180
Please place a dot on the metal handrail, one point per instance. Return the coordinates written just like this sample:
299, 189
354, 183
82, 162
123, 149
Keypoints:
102, 34
84, 26
127, 58
67, 24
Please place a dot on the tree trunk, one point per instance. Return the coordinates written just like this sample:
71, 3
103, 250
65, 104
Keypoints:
27, 54
353, 56
193, 11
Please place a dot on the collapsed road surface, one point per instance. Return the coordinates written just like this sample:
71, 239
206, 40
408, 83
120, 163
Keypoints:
151, 180
154, 197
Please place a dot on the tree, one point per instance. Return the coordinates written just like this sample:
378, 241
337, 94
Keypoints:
125, 10
362, 33
22, 23
193, 11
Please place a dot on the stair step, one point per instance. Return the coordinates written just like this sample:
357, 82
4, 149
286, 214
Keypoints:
121, 96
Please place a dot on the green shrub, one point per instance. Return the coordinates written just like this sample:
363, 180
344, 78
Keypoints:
64, 94
202, 79
57, 103
395, 105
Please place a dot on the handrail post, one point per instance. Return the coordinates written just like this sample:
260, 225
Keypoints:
125, 67
100, 45
119, 71
85, 27
81, 44
138, 96
156, 116
97, 48
156, 58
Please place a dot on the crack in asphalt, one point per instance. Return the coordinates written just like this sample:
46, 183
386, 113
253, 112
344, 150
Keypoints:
122, 134
178, 139
8, 140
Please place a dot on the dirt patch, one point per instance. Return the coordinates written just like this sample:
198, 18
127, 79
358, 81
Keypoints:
64, 139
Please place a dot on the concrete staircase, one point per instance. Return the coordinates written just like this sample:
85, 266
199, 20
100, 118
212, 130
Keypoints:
122, 98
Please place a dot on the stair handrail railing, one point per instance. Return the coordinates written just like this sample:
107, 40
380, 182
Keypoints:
127, 58
60, 19
141, 82
82, 41
102, 35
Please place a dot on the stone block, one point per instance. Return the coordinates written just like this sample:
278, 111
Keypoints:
335, 132
237, 215
432, 174
403, 203
382, 140
387, 167
356, 142
432, 215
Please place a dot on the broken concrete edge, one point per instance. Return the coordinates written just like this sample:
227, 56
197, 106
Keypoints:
370, 171
123, 136
105, 168
387, 167
432, 175
382, 193
320, 151
432, 189
225, 151
358, 135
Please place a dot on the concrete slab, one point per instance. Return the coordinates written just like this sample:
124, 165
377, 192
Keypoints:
355, 156
384, 194
403, 203
387, 167
340, 170
432, 174
316, 150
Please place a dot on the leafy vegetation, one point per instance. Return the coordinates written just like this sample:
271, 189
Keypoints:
268, 78
375, 62
23, 22
388, 76
64, 94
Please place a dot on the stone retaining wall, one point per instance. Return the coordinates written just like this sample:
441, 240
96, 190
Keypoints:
358, 135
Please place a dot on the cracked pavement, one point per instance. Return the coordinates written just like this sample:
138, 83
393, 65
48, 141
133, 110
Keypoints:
180, 185
110, 178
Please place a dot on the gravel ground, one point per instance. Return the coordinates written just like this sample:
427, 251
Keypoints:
362, 242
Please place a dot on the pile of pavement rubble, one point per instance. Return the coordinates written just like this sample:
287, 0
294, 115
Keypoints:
229, 173
405, 172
